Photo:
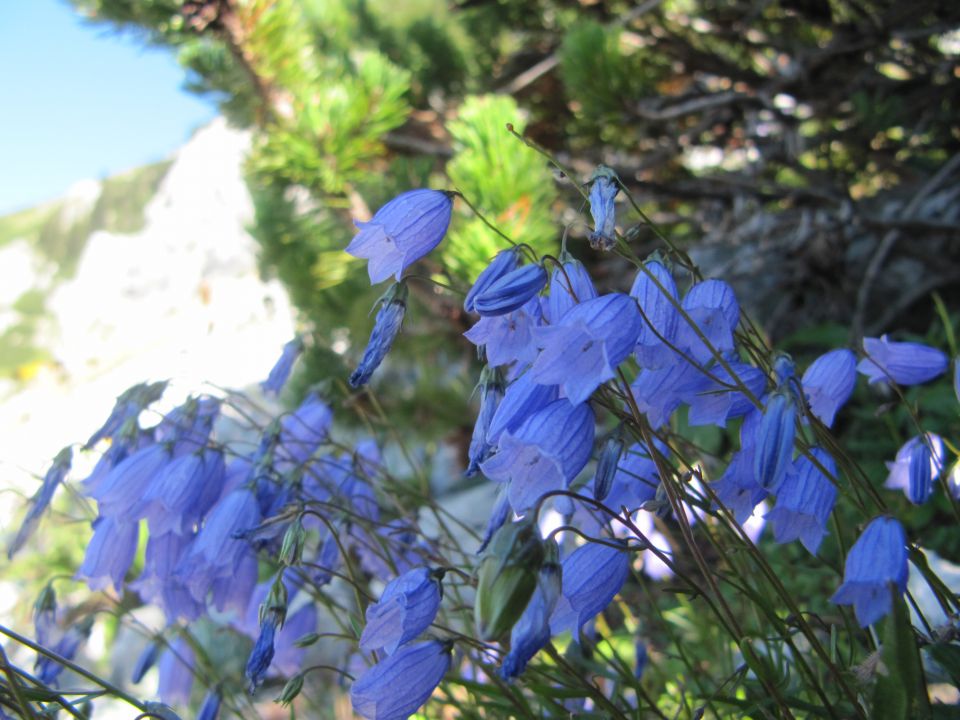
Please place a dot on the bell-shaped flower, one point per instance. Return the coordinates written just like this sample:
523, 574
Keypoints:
715, 403
401, 232
582, 350
828, 383
210, 707
661, 317
176, 672
917, 465
877, 559
570, 284
636, 479
904, 363
398, 685
532, 631
491, 392
522, 398
41, 499
298, 434
386, 327
774, 440
712, 306
127, 408
592, 575
158, 584
607, 466
545, 453
187, 427
180, 495
508, 338
406, 608
511, 291
602, 193
659, 392
504, 262
805, 500
738, 488
47, 669
145, 661
121, 492
281, 371
109, 553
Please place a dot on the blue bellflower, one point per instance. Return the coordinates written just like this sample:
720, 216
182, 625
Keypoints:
491, 392
570, 284
828, 383
592, 575
523, 397
508, 339
774, 440
401, 232
877, 559
532, 631
406, 608
385, 329
41, 499
602, 193
121, 492
907, 471
715, 404
179, 496
511, 291
210, 708
109, 553
738, 488
713, 307
262, 654
176, 673
607, 466
397, 686
127, 408
281, 371
545, 453
905, 363
804, 502
661, 317
584, 348
504, 262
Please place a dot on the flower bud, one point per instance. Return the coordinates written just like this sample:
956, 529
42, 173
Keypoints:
293, 539
291, 689
507, 578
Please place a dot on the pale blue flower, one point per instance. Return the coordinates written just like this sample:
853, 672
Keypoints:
877, 560
904, 363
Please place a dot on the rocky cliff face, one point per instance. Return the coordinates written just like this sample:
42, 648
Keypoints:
179, 299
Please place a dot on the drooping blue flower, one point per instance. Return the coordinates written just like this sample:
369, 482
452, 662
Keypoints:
187, 427
592, 575
262, 653
41, 499
607, 466
385, 329
210, 708
532, 631
739, 488
659, 392
602, 193
661, 317
176, 672
905, 363
877, 559
713, 403
522, 398
216, 553
926, 462
511, 291
159, 585
804, 502
503, 262
127, 408
508, 338
491, 392
406, 608
584, 348
401, 232
636, 479
109, 553
299, 433
146, 660
828, 383
907, 471
713, 308
774, 440
179, 496
281, 371
545, 453
398, 685
121, 492
47, 669
570, 284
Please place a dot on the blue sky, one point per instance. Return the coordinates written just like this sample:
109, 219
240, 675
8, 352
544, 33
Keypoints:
81, 102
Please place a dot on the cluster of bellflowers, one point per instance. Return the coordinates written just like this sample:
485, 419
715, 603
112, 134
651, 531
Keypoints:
579, 395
